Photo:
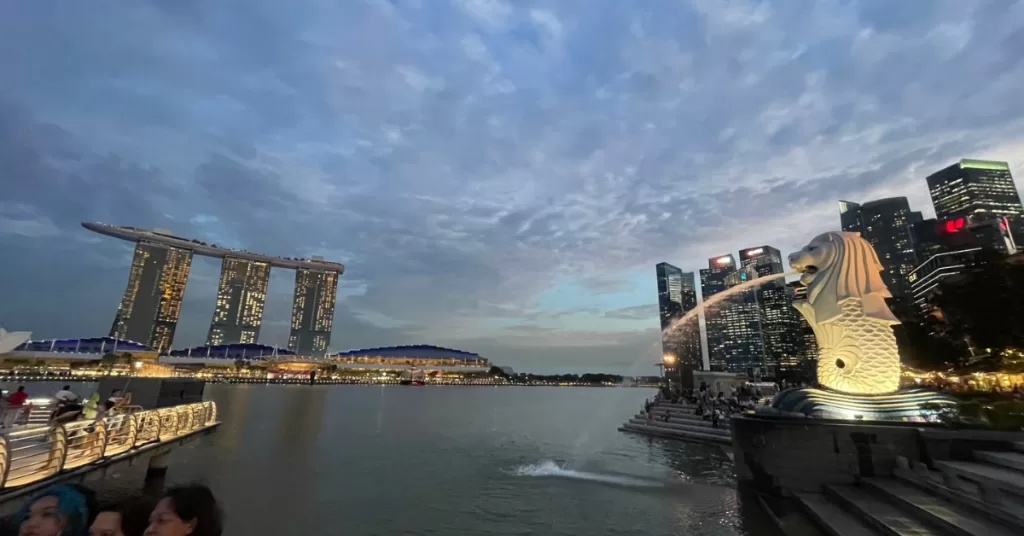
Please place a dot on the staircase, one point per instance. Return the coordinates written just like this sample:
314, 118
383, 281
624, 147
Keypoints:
984, 497
682, 424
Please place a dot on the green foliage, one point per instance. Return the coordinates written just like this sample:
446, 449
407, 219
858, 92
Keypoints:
1004, 415
986, 305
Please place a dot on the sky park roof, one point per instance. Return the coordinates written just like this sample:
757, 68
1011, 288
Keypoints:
417, 350
199, 247
90, 345
100, 345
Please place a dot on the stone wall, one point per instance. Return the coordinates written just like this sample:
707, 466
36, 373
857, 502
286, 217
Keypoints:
781, 455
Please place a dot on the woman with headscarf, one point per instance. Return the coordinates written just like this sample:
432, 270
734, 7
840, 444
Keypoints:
61, 510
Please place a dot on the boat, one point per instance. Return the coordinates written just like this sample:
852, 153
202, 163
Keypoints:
412, 376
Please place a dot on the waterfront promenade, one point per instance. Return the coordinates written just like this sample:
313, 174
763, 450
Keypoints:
682, 423
36, 455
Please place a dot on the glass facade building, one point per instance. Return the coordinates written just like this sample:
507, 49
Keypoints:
312, 311
733, 324
977, 188
677, 295
778, 319
149, 309
241, 295
886, 225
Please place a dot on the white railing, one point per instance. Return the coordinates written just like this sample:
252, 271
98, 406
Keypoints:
33, 454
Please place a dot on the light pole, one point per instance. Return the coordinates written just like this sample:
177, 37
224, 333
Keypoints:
667, 361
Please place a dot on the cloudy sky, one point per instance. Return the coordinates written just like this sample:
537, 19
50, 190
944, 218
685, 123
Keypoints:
498, 176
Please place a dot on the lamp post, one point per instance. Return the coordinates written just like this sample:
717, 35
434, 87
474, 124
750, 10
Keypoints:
667, 361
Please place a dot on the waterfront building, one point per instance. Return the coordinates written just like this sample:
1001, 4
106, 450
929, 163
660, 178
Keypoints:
977, 187
802, 363
733, 324
713, 281
149, 309
313, 311
681, 345
241, 294
151, 303
926, 278
778, 320
886, 225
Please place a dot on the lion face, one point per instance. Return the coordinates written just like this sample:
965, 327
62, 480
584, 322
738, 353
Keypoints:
816, 256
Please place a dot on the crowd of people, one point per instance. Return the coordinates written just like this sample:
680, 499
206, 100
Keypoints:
14, 407
711, 406
72, 510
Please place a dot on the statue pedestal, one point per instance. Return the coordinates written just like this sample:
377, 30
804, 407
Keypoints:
910, 405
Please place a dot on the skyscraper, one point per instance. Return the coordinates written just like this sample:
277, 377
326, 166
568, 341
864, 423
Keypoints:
977, 187
677, 295
733, 324
886, 225
778, 324
149, 309
241, 294
713, 281
312, 311
802, 365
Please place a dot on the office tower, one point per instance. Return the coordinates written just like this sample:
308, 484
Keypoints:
778, 322
713, 281
886, 225
802, 364
312, 311
149, 309
977, 187
681, 345
733, 324
241, 294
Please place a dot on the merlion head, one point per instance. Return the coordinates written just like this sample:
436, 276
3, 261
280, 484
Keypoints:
839, 266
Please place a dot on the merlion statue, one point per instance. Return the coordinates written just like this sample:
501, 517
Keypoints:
846, 308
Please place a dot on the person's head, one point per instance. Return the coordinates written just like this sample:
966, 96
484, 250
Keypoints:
125, 519
21, 388
115, 392
61, 510
186, 510
66, 388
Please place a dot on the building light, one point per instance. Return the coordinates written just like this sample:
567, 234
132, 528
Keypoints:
723, 260
752, 252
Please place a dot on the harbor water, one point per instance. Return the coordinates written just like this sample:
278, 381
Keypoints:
390, 460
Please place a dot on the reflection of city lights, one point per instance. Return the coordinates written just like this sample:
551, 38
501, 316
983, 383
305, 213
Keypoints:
138, 364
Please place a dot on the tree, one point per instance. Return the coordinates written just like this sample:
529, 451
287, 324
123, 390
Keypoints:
985, 306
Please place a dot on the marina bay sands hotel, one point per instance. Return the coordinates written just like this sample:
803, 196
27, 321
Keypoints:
148, 312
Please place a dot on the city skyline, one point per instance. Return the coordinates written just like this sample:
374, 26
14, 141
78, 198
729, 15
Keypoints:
496, 176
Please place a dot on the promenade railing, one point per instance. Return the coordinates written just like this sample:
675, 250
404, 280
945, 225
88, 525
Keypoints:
39, 452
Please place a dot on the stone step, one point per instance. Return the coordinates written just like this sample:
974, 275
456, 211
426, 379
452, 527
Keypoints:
934, 510
879, 514
832, 519
673, 434
986, 475
1011, 460
967, 496
684, 427
683, 418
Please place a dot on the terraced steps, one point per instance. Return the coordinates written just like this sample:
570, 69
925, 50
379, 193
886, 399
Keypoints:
984, 497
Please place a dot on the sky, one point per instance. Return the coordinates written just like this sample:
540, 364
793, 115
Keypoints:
497, 176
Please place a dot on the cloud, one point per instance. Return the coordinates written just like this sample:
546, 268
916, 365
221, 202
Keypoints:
495, 175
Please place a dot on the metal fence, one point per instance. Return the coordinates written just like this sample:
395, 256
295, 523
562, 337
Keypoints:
38, 452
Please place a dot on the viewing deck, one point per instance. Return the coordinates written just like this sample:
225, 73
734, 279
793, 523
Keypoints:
36, 455
210, 250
